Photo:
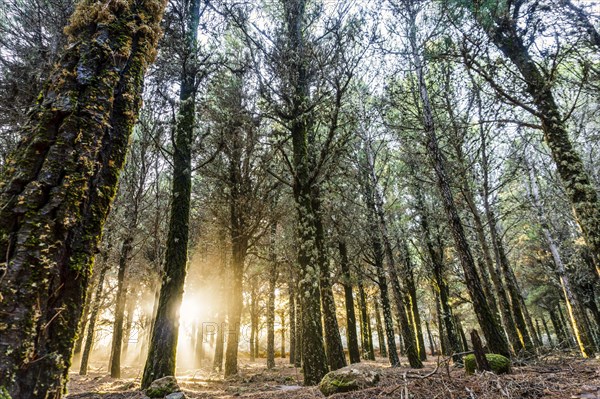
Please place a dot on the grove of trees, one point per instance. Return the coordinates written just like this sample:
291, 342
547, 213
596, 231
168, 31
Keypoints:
196, 183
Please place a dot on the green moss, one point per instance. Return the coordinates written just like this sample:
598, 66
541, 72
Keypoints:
4, 393
499, 364
333, 383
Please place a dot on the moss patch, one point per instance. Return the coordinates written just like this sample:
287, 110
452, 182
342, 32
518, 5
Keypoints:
499, 364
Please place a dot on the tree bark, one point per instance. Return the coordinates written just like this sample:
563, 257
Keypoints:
57, 188
85, 318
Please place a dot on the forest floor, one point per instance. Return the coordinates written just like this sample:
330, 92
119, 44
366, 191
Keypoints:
553, 376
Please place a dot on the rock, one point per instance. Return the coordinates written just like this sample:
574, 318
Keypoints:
499, 364
163, 387
176, 395
347, 379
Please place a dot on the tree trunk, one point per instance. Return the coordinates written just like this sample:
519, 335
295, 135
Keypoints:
365, 328
89, 340
375, 203
282, 332
429, 336
298, 332
352, 337
273, 274
480, 359
219, 341
547, 332
292, 315
121, 300
85, 318
128, 324
380, 334
313, 350
239, 249
253, 322
163, 343
199, 344
461, 331
222, 307
58, 186
561, 334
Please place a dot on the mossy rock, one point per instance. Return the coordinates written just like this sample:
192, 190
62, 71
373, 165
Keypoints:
499, 364
346, 380
163, 387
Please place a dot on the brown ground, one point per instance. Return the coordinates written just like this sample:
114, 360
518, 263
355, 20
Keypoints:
553, 377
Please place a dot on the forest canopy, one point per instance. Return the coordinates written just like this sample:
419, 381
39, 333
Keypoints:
213, 185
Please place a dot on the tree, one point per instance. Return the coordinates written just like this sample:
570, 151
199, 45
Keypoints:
57, 188
501, 25
492, 332
163, 342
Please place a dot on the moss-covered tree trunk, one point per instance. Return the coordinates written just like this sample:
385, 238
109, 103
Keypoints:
352, 336
162, 353
580, 190
57, 188
314, 359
